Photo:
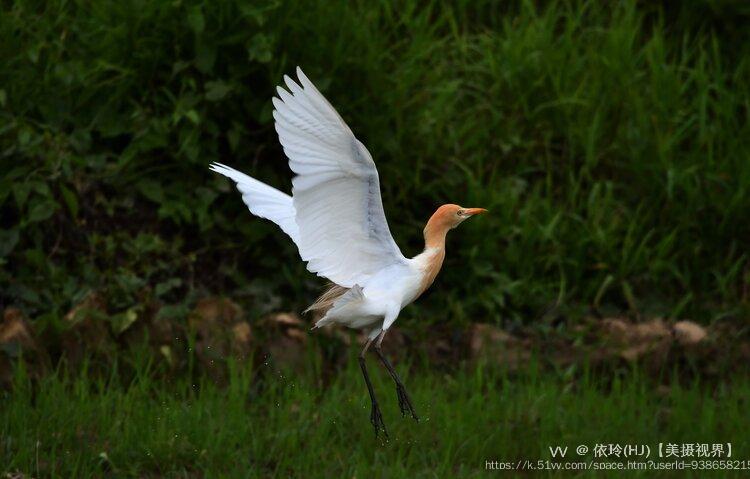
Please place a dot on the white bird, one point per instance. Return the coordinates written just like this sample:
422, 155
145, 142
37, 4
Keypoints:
335, 217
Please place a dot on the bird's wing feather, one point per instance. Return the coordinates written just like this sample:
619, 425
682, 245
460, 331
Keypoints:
343, 232
263, 200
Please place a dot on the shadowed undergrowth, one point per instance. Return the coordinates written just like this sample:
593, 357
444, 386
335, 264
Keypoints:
609, 141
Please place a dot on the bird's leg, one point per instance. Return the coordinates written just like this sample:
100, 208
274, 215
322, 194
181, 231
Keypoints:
404, 402
376, 417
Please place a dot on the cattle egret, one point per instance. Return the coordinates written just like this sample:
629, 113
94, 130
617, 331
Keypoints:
335, 217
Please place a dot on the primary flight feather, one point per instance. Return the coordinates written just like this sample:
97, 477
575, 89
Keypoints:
335, 217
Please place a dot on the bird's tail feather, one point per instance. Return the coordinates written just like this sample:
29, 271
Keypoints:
325, 301
350, 295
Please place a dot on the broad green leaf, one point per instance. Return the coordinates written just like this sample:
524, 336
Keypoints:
173, 311
217, 90
24, 136
122, 321
151, 189
193, 116
41, 211
21, 192
195, 19
166, 286
205, 57
41, 187
71, 201
260, 48
8, 241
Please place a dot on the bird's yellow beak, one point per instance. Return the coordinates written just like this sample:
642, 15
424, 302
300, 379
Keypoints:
475, 211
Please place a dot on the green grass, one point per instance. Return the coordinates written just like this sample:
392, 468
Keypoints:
293, 425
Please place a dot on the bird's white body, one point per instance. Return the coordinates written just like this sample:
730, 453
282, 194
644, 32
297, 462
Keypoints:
384, 295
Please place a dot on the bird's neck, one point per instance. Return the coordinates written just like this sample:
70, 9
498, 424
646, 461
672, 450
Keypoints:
434, 239
435, 231
431, 259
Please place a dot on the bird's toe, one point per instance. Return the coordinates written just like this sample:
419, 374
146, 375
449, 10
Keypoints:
404, 402
376, 418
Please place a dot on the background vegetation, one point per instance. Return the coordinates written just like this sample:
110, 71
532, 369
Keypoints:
609, 140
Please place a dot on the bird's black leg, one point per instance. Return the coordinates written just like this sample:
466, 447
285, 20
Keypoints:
404, 402
376, 417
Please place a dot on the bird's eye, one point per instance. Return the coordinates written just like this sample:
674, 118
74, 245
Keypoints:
460, 212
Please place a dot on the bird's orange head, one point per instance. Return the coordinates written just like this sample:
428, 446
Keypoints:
446, 218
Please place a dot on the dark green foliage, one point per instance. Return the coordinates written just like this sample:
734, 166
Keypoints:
609, 141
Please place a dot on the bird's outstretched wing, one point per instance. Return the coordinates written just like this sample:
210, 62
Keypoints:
343, 233
263, 200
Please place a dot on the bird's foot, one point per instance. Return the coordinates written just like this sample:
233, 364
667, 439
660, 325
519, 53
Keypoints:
404, 403
376, 418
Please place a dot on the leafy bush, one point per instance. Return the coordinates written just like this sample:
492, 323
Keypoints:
609, 142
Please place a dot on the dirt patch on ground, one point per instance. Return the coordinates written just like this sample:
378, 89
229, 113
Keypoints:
217, 330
